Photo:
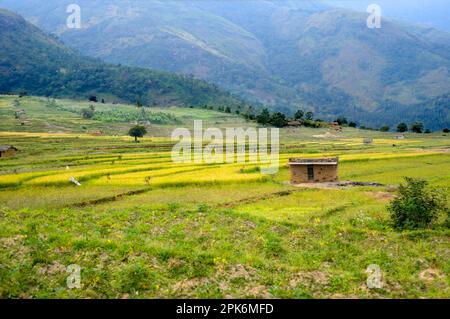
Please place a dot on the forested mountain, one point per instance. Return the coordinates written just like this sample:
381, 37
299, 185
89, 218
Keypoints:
39, 64
284, 54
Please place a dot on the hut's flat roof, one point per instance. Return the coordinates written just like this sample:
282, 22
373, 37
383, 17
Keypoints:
6, 147
314, 161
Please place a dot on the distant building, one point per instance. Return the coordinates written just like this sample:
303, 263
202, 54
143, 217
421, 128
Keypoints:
368, 140
7, 150
314, 170
294, 123
337, 127
19, 113
399, 137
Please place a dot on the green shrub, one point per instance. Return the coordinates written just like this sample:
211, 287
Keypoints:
87, 113
416, 205
203, 208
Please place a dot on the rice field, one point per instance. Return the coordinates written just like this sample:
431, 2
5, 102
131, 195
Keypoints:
142, 226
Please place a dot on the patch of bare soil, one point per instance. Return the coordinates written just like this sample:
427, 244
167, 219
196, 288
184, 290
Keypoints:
227, 278
51, 269
241, 271
257, 292
249, 276
309, 279
329, 185
430, 274
437, 149
16, 244
327, 135
187, 285
174, 263
381, 195
337, 185
342, 296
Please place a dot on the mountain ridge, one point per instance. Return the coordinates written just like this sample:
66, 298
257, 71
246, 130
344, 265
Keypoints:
283, 54
40, 64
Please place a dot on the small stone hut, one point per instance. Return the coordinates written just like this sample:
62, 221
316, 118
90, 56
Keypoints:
7, 150
314, 170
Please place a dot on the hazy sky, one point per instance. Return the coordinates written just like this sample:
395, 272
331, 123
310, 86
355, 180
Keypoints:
434, 13
431, 12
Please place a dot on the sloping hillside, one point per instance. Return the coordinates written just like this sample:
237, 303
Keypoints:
40, 64
47, 115
286, 54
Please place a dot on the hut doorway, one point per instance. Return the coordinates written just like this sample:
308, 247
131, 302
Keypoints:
310, 172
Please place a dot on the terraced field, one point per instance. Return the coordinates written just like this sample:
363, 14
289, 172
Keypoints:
142, 226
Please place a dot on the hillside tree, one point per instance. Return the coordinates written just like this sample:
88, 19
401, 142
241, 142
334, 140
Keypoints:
402, 127
278, 119
417, 127
263, 117
137, 131
341, 120
299, 115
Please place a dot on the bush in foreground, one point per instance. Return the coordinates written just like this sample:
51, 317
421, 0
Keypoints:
416, 205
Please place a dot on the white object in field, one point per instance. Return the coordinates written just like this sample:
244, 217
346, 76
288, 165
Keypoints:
67, 167
73, 180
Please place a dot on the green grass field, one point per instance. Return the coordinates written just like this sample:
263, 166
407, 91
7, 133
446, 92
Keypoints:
141, 226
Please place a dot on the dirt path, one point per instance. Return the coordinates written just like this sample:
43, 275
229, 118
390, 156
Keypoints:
336, 185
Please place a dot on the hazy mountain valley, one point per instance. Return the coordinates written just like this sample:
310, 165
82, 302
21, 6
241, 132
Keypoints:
283, 54
224, 150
